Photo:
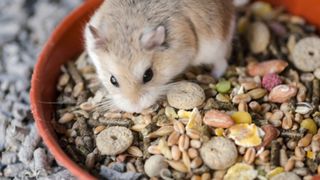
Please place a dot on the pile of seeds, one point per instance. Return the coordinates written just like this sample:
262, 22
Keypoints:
258, 121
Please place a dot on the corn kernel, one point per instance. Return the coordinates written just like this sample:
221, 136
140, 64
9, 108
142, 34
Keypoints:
241, 117
241, 171
219, 131
275, 172
245, 135
184, 114
311, 155
310, 125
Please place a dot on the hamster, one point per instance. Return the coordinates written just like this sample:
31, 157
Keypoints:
139, 46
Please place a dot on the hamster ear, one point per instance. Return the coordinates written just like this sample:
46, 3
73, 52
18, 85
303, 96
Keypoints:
93, 31
152, 39
99, 41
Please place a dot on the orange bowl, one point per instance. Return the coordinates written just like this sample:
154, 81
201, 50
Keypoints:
66, 43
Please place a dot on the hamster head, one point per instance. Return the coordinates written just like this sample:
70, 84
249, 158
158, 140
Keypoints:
135, 68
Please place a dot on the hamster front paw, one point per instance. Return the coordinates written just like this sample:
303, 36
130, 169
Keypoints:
219, 68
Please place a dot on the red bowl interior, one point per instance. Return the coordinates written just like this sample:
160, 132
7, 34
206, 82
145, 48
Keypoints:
66, 43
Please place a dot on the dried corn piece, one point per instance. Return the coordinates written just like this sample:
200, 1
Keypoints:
241, 117
241, 171
195, 120
245, 135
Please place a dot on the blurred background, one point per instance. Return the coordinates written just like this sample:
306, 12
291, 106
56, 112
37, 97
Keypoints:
25, 25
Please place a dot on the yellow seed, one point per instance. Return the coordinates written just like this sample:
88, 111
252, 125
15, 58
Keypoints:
184, 114
241, 117
219, 131
310, 125
274, 172
311, 155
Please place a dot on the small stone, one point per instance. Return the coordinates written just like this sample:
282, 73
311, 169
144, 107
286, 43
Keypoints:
218, 119
306, 54
13, 170
285, 176
258, 37
114, 140
219, 153
8, 157
185, 95
154, 165
269, 81
282, 93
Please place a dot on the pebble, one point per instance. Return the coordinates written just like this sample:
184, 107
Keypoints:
29, 145
306, 54
114, 140
12, 170
219, 153
185, 95
19, 48
154, 165
108, 173
9, 157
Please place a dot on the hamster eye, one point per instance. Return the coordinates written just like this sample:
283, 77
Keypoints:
114, 81
147, 75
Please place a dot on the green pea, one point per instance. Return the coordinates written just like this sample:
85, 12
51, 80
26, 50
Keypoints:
223, 86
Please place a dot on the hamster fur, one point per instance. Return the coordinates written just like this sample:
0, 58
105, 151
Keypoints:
130, 41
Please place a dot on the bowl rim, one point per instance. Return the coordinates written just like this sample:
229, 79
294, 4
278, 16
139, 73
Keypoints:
50, 141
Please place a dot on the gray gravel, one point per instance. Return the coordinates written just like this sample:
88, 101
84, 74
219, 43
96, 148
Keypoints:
25, 26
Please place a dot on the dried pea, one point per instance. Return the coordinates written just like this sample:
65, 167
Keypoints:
241, 117
223, 86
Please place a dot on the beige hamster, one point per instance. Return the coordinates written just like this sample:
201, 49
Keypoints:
139, 46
